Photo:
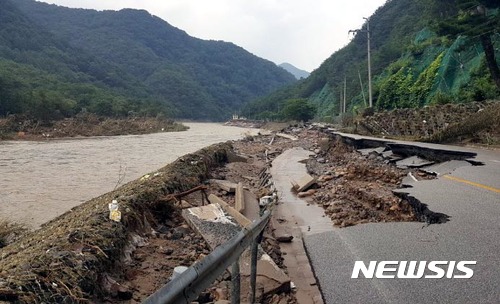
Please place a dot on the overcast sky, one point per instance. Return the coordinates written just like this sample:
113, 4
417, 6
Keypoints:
301, 32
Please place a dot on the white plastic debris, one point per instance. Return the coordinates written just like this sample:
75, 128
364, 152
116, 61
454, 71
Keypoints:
114, 213
268, 200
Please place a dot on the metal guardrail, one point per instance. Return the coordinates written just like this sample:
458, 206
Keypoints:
186, 287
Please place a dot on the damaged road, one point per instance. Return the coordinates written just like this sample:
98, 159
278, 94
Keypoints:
346, 209
467, 195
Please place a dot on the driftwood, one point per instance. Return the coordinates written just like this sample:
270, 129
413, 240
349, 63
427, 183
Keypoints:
177, 196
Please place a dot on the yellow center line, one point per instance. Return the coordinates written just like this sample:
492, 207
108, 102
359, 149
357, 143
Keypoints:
458, 179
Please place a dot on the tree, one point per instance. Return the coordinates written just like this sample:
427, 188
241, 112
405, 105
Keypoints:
298, 109
477, 19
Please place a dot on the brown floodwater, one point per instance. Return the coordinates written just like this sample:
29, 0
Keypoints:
43, 179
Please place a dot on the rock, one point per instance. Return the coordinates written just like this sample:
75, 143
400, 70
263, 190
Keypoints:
168, 251
307, 193
180, 232
284, 238
325, 178
220, 294
141, 257
185, 204
324, 144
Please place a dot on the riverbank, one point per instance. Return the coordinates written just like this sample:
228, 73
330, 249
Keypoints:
83, 125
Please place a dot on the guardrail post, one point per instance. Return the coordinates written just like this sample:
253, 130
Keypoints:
235, 282
253, 270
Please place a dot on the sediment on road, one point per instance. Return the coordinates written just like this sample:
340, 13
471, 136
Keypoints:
79, 256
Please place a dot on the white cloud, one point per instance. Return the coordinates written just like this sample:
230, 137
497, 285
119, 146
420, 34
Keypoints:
303, 33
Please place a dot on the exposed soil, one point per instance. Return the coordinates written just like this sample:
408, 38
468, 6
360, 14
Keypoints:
23, 128
355, 189
468, 123
82, 256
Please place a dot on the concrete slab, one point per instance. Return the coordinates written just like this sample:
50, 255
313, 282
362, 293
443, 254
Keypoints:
413, 162
270, 278
252, 209
368, 151
239, 200
213, 223
305, 182
389, 155
240, 218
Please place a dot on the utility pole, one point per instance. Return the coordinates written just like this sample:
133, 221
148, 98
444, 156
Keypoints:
367, 31
370, 96
341, 107
345, 92
362, 90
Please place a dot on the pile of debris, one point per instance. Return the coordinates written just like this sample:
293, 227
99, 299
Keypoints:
472, 121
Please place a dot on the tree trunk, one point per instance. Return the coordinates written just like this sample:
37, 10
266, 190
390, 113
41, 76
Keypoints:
489, 51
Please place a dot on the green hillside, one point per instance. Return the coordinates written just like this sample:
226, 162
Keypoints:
111, 63
421, 54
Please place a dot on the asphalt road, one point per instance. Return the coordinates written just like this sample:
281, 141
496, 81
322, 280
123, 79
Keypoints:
470, 195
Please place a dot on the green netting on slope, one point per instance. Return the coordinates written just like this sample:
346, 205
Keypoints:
326, 100
458, 63
423, 36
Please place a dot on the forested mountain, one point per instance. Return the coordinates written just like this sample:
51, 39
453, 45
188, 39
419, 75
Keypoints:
114, 62
429, 51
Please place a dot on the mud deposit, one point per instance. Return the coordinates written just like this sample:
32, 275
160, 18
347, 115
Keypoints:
82, 256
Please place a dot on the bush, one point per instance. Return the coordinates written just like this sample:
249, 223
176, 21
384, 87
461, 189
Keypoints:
298, 109
441, 99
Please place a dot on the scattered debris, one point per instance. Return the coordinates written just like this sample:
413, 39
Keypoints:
304, 183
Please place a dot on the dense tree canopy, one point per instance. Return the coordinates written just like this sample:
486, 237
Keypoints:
298, 109
117, 63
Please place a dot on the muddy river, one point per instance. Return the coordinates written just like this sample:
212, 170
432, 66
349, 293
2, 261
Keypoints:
41, 180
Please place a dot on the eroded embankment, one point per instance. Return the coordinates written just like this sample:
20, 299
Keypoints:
474, 122
360, 185
74, 257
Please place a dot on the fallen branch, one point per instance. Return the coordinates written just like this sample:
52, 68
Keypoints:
179, 195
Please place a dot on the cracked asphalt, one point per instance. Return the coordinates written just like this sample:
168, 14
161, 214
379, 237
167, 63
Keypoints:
470, 195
